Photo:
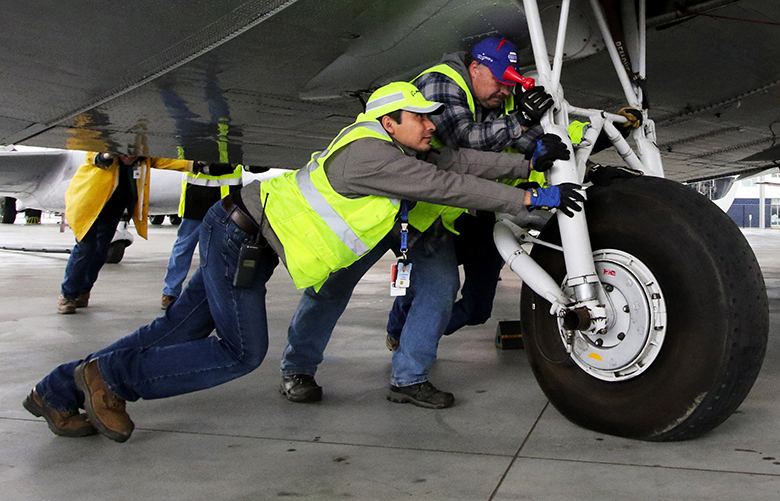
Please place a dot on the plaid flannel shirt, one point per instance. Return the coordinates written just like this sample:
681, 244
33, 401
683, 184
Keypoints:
457, 128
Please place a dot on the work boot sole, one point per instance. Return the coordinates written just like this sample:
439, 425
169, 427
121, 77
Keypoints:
81, 383
66, 311
36, 410
312, 396
400, 398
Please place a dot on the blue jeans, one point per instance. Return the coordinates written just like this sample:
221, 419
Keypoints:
176, 353
90, 253
434, 284
482, 263
181, 256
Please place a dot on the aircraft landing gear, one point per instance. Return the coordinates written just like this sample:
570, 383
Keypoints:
687, 315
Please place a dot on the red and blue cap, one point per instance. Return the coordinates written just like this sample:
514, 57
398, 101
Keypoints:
500, 56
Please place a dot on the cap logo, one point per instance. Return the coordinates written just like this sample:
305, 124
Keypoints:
512, 57
483, 57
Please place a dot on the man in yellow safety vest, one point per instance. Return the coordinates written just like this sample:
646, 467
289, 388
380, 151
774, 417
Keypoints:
317, 220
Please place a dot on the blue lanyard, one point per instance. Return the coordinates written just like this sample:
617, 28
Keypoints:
404, 227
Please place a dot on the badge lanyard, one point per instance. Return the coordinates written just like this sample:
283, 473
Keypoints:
400, 275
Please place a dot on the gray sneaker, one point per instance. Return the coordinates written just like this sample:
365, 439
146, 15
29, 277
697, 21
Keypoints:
300, 388
422, 395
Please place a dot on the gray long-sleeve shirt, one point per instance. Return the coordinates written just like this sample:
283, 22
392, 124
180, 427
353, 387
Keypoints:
458, 178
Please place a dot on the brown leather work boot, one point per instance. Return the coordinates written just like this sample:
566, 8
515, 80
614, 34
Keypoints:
83, 300
66, 306
62, 423
106, 411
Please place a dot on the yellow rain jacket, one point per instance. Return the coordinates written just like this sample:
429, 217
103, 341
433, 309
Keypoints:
93, 185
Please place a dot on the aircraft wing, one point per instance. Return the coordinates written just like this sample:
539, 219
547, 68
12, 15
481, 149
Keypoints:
266, 82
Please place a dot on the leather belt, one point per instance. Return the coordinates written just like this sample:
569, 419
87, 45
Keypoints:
244, 222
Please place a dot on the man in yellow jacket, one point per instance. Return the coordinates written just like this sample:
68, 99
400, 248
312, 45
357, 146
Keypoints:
98, 194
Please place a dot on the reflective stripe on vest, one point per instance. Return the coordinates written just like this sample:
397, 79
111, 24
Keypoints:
317, 202
335, 222
212, 183
321, 230
223, 182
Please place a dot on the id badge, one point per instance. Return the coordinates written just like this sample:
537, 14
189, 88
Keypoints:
136, 172
403, 276
394, 289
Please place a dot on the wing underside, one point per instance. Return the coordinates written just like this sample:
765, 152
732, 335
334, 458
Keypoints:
268, 82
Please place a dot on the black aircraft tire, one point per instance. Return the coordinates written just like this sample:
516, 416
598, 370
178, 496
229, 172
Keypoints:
157, 220
716, 305
174, 219
7, 210
116, 251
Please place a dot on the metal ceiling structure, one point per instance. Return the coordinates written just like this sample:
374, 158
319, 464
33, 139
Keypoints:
267, 82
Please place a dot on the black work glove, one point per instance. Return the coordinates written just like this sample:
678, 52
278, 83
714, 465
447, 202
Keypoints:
570, 198
528, 185
104, 160
254, 169
213, 169
532, 104
563, 196
220, 169
549, 148
602, 175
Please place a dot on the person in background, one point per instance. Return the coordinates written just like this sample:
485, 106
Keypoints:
101, 190
198, 193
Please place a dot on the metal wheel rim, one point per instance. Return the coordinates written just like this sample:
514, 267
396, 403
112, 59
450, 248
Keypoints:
636, 324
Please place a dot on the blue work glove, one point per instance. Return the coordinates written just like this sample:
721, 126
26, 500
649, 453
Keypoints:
549, 148
563, 196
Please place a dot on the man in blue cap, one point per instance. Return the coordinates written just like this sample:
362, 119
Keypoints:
484, 110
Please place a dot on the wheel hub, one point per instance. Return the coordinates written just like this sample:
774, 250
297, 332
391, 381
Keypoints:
636, 320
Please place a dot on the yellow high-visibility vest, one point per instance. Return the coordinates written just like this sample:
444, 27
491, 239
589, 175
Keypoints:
321, 230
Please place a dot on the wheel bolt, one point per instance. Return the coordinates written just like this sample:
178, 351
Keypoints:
599, 342
626, 309
608, 288
622, 336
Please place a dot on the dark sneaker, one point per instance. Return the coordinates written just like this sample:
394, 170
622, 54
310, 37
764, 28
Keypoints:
62, 423
392, 343
83, 300
66, 306
300, 388
421, 395
168, 300
106, 411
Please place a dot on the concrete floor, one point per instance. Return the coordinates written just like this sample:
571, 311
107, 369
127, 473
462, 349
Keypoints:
243, 440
